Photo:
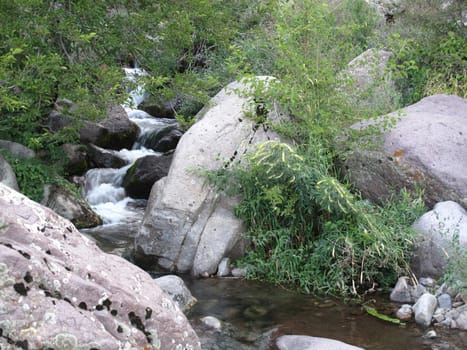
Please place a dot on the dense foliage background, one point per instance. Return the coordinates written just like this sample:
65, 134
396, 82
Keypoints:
306, 226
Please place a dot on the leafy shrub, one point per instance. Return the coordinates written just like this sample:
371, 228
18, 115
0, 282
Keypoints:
308, 230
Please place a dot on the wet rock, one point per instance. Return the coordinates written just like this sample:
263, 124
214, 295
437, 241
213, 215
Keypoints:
68, 205
17, 149
178, 291
163, 139
405, 312
445, 301
424, 309
76, 162
404, 159
437, 231
431, 334
224, 268
302, 342
104, 158
7, 175
142, 175
212, 322
402, 292
58, 290
188, 225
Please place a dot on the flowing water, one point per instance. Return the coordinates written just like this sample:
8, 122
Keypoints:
254, 313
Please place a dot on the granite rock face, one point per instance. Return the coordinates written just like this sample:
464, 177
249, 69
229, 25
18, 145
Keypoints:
442, 234
188, 226
7, 174
59, 291
426, 147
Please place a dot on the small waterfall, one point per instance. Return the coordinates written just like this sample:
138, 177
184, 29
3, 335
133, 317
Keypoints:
103, 188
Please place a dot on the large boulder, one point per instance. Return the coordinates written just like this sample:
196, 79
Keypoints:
59, 291
441, 233
426, 147
67, 204
17, 150
7, 175
371, 86
303, 342
116, 131
142, 175
188, 226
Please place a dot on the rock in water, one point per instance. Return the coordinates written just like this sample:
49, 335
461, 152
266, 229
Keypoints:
302, 342
424, 309
58, 290
188, 226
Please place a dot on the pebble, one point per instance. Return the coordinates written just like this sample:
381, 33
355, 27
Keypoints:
212, 322
405, 312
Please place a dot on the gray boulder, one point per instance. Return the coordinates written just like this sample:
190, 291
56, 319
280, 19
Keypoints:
116, 131
17, 149
142, 175
177, 290
68, 205
402, 292
372, 88
58, 290
426, 147
438, 230
188, 226
303, 342
7, 174
424, 309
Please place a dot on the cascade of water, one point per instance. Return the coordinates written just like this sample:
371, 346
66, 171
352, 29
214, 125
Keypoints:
103, 188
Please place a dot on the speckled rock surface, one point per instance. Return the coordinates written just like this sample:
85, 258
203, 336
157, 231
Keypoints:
59, 291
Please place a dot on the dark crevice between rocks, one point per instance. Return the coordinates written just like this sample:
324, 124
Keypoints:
82, 305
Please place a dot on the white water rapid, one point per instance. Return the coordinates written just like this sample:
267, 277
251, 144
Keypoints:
103, 187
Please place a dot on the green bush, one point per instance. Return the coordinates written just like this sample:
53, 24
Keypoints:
309, 231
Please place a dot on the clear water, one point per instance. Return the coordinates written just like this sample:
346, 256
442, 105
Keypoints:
252, 309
